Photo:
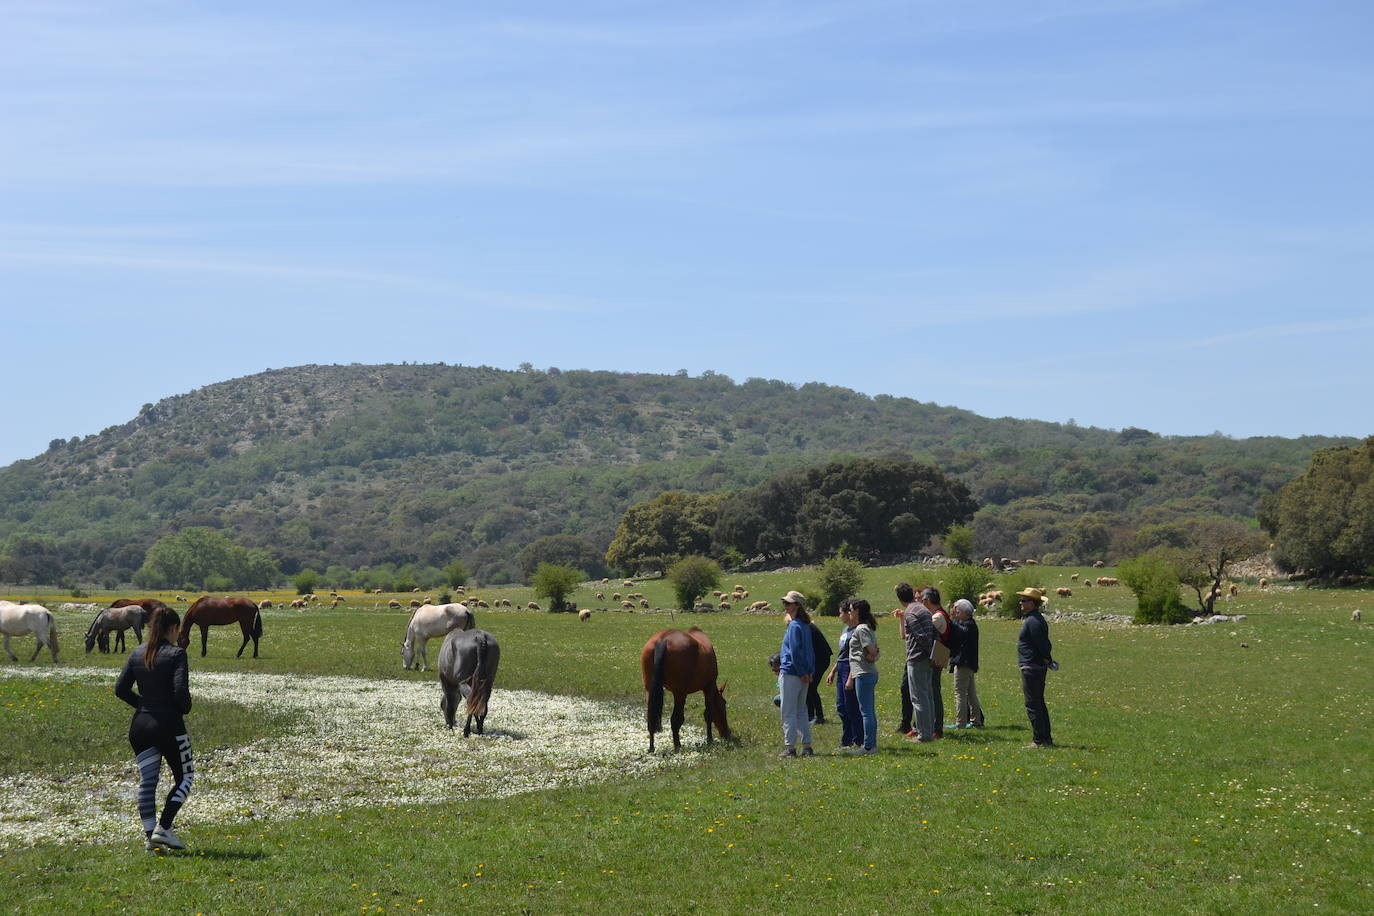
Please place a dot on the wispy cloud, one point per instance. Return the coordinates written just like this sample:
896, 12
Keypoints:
1281, 332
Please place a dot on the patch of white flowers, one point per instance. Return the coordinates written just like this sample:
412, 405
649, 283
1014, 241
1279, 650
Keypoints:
355, 743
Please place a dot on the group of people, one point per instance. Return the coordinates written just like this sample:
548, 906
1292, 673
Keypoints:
935, 640
155, 682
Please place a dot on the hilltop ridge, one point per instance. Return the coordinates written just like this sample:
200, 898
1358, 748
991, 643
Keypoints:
366, 464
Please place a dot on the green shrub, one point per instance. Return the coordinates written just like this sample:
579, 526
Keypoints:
841, 578
304, 581
963, 580
456, 573
1015, 582
556, 583
959, 543
1155, 583
693, 577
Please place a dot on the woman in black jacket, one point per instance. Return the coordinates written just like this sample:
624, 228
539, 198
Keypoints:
159, 670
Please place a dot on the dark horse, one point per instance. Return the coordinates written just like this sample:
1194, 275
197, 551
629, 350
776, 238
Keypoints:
467, 666
683, 662
209, 611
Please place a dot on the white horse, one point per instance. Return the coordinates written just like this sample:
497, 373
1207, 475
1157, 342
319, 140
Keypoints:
430, 621
23, 619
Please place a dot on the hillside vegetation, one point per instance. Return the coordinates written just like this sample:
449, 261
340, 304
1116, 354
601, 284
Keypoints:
423, 464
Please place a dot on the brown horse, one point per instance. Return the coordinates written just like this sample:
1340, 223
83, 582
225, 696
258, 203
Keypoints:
209, 611
682, 662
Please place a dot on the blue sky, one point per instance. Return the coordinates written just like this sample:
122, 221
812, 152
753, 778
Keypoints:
1126, 213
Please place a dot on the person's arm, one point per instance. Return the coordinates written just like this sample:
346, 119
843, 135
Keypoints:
124, 686
181, 683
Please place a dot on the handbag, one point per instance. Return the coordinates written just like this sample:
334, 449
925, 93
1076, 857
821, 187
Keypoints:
939, 654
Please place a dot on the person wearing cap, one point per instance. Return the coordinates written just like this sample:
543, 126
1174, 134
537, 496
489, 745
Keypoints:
1033, 654
963, 661
798, 668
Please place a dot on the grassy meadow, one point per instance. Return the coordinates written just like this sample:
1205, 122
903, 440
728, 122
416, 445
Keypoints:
1201, 769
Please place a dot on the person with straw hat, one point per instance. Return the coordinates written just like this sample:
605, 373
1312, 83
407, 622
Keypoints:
1033, 654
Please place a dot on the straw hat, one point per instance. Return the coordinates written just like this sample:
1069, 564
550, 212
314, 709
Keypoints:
1034, 594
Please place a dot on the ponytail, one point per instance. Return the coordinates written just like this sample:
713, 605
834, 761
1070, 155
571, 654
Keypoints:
162, 625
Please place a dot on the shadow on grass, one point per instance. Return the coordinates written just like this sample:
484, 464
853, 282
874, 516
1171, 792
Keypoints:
227, 855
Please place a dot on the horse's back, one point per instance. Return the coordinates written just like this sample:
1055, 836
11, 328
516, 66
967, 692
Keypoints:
689, 660
214, 609
17, 619
459, 656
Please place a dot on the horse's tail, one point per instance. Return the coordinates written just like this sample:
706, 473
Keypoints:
481, 687
257, 622
52, 635
656, 688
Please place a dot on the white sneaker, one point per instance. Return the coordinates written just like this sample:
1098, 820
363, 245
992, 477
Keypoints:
164, 837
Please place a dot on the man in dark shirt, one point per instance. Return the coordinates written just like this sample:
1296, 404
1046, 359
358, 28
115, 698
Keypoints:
1033, 654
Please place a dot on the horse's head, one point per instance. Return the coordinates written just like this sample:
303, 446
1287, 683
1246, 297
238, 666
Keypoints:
90, 636
718, 713
407, 653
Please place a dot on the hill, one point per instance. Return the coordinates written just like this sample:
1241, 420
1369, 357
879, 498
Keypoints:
357, 466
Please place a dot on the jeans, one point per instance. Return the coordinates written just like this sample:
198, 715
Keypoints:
847, 707
865, 685
1033, 688
922, 704
937, 700
906, 705
795, 727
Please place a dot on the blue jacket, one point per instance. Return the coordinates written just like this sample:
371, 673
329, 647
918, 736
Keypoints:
798, 655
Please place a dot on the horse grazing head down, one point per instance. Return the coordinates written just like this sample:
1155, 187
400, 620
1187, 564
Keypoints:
682, 663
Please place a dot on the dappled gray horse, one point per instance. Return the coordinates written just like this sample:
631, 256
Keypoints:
467, 666
115, 620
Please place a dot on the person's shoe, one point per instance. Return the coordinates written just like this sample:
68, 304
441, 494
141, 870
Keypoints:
1036, 745
976, 725
937, 734
149, 845
166, 838
788, 752
909, 733
819, 720
868, 750
807, 752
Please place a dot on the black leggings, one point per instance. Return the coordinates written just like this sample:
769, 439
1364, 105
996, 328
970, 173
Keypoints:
152, 743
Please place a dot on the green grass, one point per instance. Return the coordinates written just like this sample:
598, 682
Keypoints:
1215, 769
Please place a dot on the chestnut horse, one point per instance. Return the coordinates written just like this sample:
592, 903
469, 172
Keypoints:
682, 662
209, 611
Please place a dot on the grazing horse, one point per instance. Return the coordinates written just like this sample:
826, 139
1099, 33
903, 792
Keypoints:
682, 662
467, 665
210, 611
427, 622
23, 619
116, 620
